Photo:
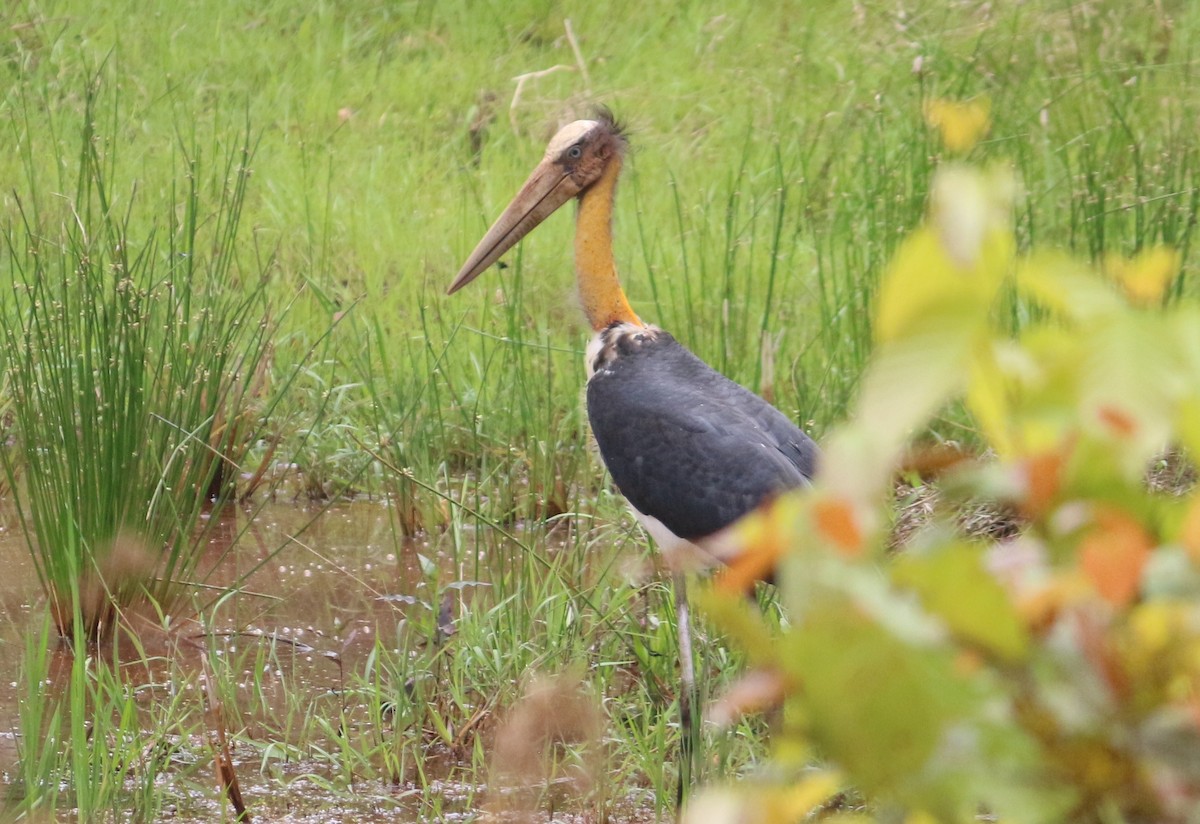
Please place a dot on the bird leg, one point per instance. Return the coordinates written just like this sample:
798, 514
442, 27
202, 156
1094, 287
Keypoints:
689, 718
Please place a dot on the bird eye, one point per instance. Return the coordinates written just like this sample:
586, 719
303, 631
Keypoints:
575, 152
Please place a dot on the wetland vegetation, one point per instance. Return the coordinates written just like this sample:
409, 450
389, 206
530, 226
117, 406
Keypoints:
228, 229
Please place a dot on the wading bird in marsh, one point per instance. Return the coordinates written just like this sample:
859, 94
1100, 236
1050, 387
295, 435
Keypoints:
690, 450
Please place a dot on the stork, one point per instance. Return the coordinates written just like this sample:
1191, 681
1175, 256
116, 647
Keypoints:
691, 450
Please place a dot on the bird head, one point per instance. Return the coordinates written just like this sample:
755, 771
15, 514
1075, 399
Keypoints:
575, 159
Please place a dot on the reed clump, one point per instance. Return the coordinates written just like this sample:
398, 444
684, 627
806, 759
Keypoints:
136, 373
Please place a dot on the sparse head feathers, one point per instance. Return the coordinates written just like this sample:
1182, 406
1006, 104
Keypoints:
569, 135
603, 134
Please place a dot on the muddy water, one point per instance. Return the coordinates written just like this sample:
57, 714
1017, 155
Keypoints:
314, 589
18, 599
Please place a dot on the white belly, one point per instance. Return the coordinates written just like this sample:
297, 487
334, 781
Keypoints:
681, 555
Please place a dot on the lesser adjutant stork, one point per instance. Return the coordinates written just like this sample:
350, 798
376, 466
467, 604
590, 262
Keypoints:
691, 450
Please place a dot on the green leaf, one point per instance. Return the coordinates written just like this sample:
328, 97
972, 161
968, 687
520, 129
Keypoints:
906, 382
954, 585
876, 705
1187, 424
909, 725
736, 616
1129, 379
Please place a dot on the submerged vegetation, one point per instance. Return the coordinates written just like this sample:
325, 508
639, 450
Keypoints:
228, 229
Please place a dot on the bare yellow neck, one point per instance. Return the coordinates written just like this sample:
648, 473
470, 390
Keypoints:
599, 287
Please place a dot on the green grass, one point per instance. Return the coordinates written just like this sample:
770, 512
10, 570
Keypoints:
780, 156
93, 744
133, 366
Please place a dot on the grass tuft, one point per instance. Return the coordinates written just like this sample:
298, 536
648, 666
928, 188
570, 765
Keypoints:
136, 367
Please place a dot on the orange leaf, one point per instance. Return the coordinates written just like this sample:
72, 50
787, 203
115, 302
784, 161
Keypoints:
836, 522
1043, 478
1120, 422
753, 545
754, 564
1189, 533
931, 461
1041, 609
1113, 555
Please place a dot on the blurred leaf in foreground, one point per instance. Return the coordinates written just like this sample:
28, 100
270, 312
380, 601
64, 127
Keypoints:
986, 617
771, 804
961, 124
1146, 276
1113, 555
935, 300
909, 723
1051, 677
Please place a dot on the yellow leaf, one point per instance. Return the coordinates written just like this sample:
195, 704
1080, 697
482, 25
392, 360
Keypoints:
987, 397
1146, 276
1065, 286
960, 123
948, 271
771, 804
789, 747
920, 281
803, 798
1187, 423
1155, 648
919, 817
1155, 625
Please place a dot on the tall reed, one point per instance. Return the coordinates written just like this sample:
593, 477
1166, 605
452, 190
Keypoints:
133, 365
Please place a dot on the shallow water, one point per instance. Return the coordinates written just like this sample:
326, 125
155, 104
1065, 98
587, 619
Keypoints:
19, 596
317, 588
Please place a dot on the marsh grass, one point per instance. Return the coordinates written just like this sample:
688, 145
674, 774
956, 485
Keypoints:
138, 373
769, 183
779, 158
87, 741
429, 711
417, 707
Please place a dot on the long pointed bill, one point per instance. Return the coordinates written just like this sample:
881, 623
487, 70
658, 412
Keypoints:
546, 189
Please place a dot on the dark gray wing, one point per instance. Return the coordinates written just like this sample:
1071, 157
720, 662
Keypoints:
688, 446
